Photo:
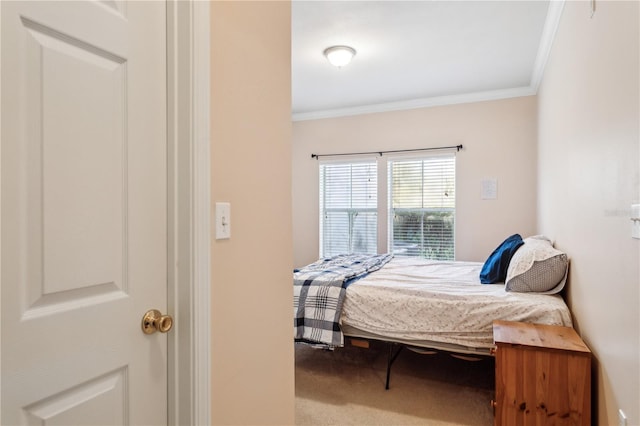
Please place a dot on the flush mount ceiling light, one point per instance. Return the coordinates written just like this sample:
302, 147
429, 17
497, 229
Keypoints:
339, 56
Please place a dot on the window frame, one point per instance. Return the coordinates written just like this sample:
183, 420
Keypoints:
423, 210
384, 211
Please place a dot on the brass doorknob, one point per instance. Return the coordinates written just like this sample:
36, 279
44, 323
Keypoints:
153, 321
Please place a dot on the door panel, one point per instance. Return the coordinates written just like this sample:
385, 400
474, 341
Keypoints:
76, 166
103, 398
83, 220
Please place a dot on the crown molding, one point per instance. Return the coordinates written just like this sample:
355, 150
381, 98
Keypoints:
546, 41
416, 103
549, 30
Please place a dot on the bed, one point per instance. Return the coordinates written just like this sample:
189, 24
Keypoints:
441, 305
419, 303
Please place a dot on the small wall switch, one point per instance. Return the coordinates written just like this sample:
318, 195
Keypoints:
635, 221
223, 221
622, 418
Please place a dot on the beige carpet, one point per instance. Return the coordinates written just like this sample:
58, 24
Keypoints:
346, 387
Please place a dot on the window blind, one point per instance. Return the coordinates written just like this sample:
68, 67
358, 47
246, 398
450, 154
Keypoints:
422, 207
348, 208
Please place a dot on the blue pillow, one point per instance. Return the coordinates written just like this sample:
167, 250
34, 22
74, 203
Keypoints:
495, 268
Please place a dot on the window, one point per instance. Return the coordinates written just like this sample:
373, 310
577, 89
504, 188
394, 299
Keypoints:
348, 208
420, 216
422, 207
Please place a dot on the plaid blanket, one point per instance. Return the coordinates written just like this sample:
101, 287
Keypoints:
318, 294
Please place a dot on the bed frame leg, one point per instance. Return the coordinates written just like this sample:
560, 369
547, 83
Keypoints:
391, 358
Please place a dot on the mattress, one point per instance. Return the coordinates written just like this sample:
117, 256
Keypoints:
415, 300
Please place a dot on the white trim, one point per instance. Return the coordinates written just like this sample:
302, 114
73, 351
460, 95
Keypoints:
179, 394
0, 205
416, 103
546, 42
201, 212
189, 209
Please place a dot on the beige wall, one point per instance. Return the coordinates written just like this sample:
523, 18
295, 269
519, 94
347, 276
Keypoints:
252, 345
499, 139
588, 176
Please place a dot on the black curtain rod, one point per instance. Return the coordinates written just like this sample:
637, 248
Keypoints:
456, 147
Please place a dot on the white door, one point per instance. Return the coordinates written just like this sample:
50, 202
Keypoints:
83, 212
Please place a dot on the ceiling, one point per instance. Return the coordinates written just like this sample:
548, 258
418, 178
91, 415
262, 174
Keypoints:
413, 54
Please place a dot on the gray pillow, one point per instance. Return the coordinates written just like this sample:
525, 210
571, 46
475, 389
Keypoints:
537, 267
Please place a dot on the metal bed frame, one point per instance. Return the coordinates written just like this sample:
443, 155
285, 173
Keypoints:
395, 346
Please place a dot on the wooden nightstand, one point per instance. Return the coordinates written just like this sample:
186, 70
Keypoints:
543, 375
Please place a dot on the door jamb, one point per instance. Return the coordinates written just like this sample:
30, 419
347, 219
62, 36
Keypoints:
189, 261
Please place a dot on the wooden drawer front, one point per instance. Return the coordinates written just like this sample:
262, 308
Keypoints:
542, 387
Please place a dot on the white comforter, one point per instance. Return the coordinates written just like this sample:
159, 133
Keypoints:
415, 299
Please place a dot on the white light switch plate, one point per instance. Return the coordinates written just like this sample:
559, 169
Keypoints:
223, 221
